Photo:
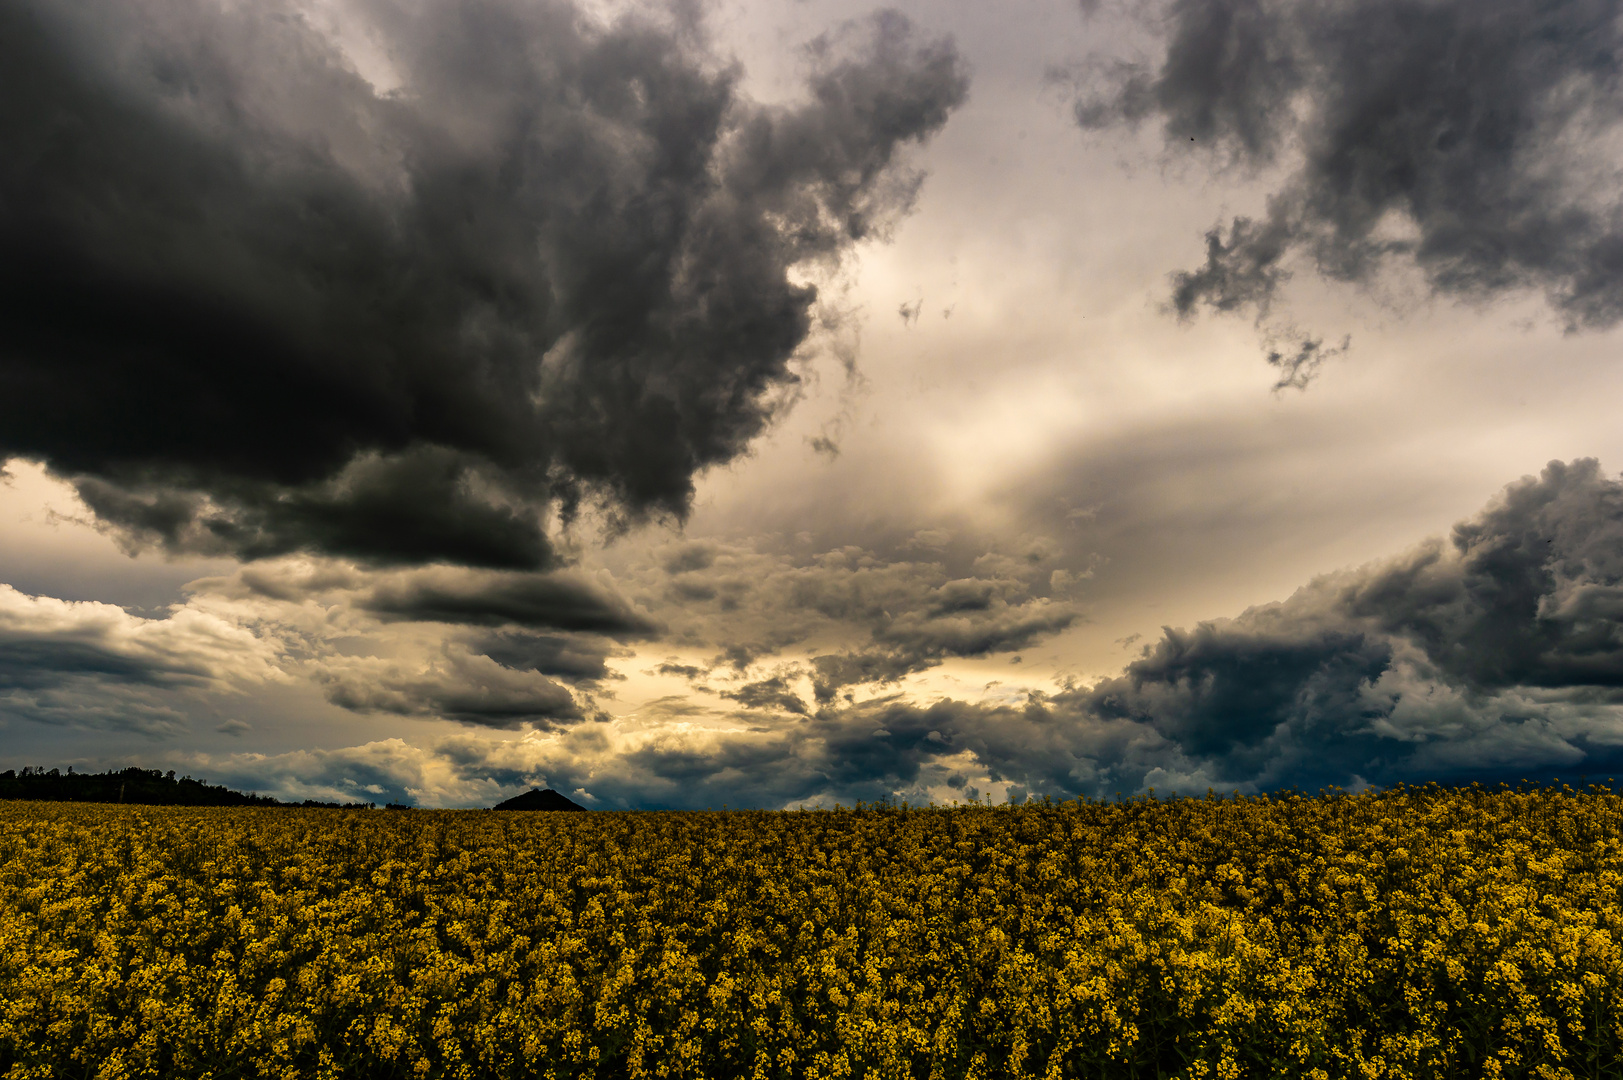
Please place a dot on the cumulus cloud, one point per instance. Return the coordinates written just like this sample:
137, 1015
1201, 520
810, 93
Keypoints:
386, 771
253, 304
776, 692
488, 648
88, 664
1496, 651
694, 758
1475, 142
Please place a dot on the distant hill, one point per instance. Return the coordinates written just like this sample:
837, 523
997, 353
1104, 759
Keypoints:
144, 787
536, 799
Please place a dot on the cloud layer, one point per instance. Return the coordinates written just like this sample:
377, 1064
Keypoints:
1494, 654
859, 617
92, 665
255, 304
1476, 142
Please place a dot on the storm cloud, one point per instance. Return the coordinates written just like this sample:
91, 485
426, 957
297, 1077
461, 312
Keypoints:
254, 303
1488, 654
1474, 142
457, 684
557, 601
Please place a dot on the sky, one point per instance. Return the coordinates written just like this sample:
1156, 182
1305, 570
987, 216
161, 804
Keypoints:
697, 404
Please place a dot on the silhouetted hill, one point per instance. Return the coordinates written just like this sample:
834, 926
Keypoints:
145, 787
536, 799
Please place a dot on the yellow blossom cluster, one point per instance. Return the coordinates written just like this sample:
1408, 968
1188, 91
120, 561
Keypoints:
1417, 932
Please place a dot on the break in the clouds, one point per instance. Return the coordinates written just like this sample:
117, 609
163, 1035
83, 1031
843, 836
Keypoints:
1474, 141
256, 304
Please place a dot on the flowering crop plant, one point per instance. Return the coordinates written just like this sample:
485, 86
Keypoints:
1416, 932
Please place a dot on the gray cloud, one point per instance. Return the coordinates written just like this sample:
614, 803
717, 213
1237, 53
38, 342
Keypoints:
556, 601
458, 684
1497, 654
867, 751
1530, 594
92, 665
389, 771
253, 305
1473, 141
1439, 661
866, 617
833, 672
476, 646
776, 692
576, 657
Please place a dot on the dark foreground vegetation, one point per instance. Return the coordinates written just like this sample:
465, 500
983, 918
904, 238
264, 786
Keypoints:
142, 787
1412, 933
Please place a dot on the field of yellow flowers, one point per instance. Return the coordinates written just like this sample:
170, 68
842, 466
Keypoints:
1413, 933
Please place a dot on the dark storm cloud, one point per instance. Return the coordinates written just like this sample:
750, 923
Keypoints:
924, 624
575, 657
478, 647
833, 672
556, 601
1482, 655
369, 637
775, 693
962, 618
864, 752
459, 685
582, 607
401, 508
1531, 594
36, 664
253, 305
686, 671
1476, 141
1495, 654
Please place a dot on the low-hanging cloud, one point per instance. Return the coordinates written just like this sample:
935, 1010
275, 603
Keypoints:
481, 647
1495, 654
253, 305
456, 684
1476, 142
93, 665
557, 601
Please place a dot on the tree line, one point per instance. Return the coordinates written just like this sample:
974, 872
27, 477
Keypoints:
146, 787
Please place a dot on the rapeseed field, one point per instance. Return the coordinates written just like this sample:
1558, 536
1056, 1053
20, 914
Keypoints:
1418, 932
